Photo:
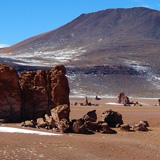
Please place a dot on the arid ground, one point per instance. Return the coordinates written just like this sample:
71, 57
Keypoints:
121, 146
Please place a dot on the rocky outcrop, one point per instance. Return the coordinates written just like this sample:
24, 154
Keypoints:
141, 126
60, 112
32, 95
112, 118
59, 86
122, 98
42, 91
36, 99
90, 116
10, 94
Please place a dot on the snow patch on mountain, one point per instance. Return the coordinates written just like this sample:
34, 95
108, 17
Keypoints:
46, 58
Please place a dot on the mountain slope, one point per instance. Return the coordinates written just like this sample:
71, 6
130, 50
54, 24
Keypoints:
95, 39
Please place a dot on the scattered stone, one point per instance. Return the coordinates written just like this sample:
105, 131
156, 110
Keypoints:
112, 118
90, 116
86, 101
60, 112
137, 104
105, 128
31, 123
97, 98
81, 104
50, 121
79, 126
94, 126
41, 123
122, 98
159, 102
125, 127
141, 126
64, 126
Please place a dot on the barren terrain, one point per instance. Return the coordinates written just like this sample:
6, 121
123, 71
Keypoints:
123, 145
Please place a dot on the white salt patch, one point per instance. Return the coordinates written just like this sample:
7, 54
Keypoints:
111, 103
17, 130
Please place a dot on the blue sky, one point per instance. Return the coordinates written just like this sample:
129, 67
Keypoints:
22, 19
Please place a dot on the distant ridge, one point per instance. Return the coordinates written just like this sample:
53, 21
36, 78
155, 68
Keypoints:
105, 37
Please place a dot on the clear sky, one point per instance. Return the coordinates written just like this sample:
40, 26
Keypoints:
22, 19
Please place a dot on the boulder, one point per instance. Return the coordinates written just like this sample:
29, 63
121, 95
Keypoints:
125, 127
29, 124
105, 128
60, 112
122, 98
50, 121
90, 116
93, 126
141, 126
79, 126
112, 118
64, 126
41, 123
10, 94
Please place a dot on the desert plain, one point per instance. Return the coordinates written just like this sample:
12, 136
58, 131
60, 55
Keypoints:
120, 146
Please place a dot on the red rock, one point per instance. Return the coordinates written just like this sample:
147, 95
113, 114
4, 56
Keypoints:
112, 118
10, 94
59, 86
90, 116
60, 112
122, 98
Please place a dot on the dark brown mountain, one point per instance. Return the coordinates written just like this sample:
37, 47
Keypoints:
105, 37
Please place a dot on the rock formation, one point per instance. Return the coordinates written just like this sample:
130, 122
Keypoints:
42, 91
112, 118
60, 112
141, 126
32, 95
10, 94
122, 98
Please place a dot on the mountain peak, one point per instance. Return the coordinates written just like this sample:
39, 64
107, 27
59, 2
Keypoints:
93, 36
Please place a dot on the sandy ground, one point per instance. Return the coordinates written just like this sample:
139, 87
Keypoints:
120, 146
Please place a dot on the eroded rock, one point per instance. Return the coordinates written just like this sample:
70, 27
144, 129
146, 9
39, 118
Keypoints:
10, 94
112, 118
60, 112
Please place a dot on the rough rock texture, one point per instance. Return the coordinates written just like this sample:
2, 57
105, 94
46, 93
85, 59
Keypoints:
79, 126
32, 95
105, 128
10, 94
64, 125
111, 118
42, 91
90, 116
122, 98
60, 112
36, 94
50, 121
59, 86
29, 124
94, 126
125, 127
141, 126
